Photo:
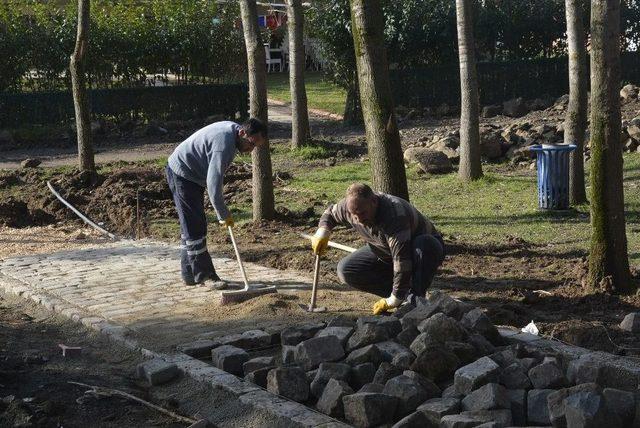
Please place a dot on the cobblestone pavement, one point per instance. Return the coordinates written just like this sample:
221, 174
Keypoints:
132, 284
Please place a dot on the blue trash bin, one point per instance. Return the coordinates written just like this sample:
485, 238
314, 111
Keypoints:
553, 175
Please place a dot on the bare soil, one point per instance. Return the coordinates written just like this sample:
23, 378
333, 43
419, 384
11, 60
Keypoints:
34, 376
515, 281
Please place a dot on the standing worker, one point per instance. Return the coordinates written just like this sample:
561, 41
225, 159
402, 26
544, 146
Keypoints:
403, 249
197, 163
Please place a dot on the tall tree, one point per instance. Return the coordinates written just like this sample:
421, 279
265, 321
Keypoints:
263, 202
299, 113
608, 258
576, 115
383, 138
470, 166
77, 67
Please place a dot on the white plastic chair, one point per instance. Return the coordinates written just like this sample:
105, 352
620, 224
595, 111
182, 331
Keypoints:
271, 62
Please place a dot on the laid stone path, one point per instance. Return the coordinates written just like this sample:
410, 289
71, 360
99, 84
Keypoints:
130, 290
133, 284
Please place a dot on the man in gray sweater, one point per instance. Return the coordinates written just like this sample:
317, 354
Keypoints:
199, 162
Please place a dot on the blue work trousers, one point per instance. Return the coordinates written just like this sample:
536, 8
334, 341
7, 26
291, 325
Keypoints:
365, 271
195, 261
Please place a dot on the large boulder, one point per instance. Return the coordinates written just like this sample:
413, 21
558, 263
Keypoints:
369, 409
436, 363
338, 371
547, 375
633, 128
557, 405
362, 374
330, 403
257, 363
311, 352
515, 107
537, 407
367, 334
491, 145
230, 359
428, 160
442, 328
488, 397
629, 92
342, 333
491, 111
290, 382
409, 392
296, 334
368, 354
476, 320
385, 372
588, 409
476, 374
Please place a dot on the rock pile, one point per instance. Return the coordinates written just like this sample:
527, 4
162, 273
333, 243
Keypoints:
436, 155
441, 363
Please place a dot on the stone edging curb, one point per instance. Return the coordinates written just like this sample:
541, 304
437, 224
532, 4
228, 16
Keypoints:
247, 393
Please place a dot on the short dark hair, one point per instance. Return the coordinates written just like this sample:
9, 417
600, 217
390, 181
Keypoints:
359, 191
254, 126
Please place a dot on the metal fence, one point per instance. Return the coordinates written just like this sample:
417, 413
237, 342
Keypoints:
498, 81
163, 103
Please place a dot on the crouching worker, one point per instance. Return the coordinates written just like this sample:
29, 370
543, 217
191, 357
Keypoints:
403, 249
197, 163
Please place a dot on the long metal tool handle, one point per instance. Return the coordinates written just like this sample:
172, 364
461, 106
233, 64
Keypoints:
333, 244
235, 248
314, 289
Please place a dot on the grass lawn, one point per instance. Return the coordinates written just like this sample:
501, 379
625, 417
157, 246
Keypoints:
322, 94
499, 207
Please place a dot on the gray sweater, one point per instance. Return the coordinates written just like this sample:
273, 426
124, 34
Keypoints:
204, 157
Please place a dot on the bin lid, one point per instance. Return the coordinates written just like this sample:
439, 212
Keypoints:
553, 148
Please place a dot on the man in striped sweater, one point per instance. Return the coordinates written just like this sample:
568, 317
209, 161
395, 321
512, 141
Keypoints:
403, 249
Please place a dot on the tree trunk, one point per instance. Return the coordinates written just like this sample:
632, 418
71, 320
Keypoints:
576, 116
77, 66
263, 203
300, 134
608, 258
383, 138
470, 166
352, 109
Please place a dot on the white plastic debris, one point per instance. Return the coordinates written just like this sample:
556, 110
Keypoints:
531, 328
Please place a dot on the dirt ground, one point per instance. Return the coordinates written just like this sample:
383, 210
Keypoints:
34, 377
515, 281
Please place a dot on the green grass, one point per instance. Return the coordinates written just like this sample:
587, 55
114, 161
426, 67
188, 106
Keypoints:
499, 207
494, 209
321, 93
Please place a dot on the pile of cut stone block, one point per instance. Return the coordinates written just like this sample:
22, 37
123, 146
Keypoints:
440, 363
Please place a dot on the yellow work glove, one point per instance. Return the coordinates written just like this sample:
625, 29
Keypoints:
380, 306
227, 222
383, 305
320, 241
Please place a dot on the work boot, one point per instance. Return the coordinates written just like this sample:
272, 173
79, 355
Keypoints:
188, 281
217, 283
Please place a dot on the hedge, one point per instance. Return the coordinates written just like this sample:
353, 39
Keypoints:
161, 103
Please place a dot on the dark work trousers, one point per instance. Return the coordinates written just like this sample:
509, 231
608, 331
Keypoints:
366, 272
195, 261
